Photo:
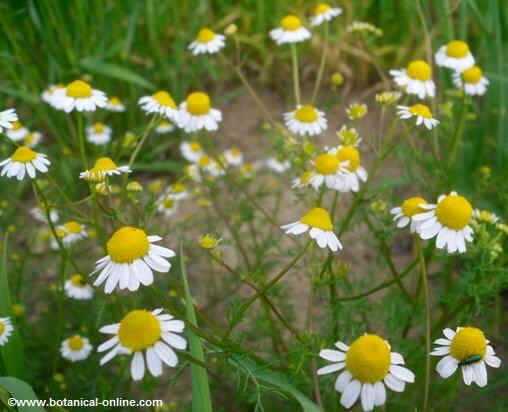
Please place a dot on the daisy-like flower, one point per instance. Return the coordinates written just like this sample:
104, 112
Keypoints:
17, 131
455, 55
290, 31
324, 12
210, 166
319, 224
7, 118
349, 136
77, 287
78, 95
32, 139
176, 191
207, 42
352, 170
70, 232
115, 105
416, 79
233, 156
167, 205
468, 348
39, 214
164, 127
132, 255
149, 336
472, 81
48, 94
368, 367
388, 98
277, 165
160, 102
103, 167
403, 215
448, 221
421, 112
196, 113
24, 161
303, 180
5, 330
327, 171
247, 171
356, 111
76, 348
191, 151
98, 133
305, 120
362, 26
485, 216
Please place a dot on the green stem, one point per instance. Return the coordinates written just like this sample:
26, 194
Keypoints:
296, 80
322, 63
459, 132
82, 144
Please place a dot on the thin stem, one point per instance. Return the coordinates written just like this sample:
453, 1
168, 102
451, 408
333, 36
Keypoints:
81, 136
296, 80
142, 140
459, 132
322, 64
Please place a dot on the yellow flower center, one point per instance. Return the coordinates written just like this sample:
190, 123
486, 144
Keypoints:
23, 154
76, 343
168, 203
198, 103
351, 154
321, 8
204, 161
104, 163
60, 232
467, 342
421, 110
195, 147
127, 244
326, 164
411, 206
419, 70
29, 138
139, 330
472, 75
306, 114
79, 89
205, 35
368, 359
16, 125
454, 212
305, 177
318, 217
164, 99
73, 227
235, 152
208, 242
78, 281
177, 188
457, 49
115, 101
290, 23
2, 328
99, 127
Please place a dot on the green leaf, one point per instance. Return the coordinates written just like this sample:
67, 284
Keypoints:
20, 391
201, 399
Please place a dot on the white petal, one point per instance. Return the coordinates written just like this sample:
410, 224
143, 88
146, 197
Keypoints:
137, 366
332, 355
342, 381
396, 359
447, 366
449, 333
167, 355
154, 362
334, 367
402, 373
480, 373
393, 383
368, 396
350, 394
174, 340
467, 374
380, 394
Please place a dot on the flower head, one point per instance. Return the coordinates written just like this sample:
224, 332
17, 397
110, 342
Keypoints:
356, 111
103, 167
349, 136
76, 348
472, 81
5, 330
421, 112
324, 12
164, 127
77, 287
455, 55
167, 205
208, 242
416, 79
233, 156
17, 131
24, 161
78, 95
7, 118
115, 105
98, 133
70, 232
160, 102
196, 113
191, 151
352, 172
290, 31
306, 120
403, 214
388, 98
207, 42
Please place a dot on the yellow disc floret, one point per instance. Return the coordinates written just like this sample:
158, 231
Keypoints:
104, 163
204, 161
16, 125
305, 177
195, 147
72, 227
127, 244
472, 75
177, 188
2, 328
115, 101
23, 154
321, 8
412, 206
467, 342
198, 103
205, 35
419, 70
454, 212
318, 217
351, 154
99, 127
457, 49
78, 281
326, 164
421, 110
208, 242
79, 89
76, 343
139, 330
306, 114
368, 359
164, 99
168, 203
290, 23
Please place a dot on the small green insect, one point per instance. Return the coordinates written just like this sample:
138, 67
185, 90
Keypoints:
471, 359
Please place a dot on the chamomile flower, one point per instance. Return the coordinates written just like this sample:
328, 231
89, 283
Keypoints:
448, 221
76, 348
160, 102
24, 161
319, 224
352, 170
167, 205
210, 166
247, 171
207, 42
349, 136
191, 151
76, 287
7, 118
324, 12
233, 156
455, 55
290, 31
472, 81
39, 214
103, 167
98, 133
306, 120
368, 367
132, 255
17, 131
468, 348
421, 112
361, 26
78, 95
149, 336
327, 171
164, 127
48, 94
32, 139
403, 215
416, 79
356, 111
303, 180
70, 232
485, 216
196, 113
176, 191
6, 329
115, 105
277, 165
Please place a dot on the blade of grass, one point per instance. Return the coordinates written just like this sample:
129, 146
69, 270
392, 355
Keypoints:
21, 391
